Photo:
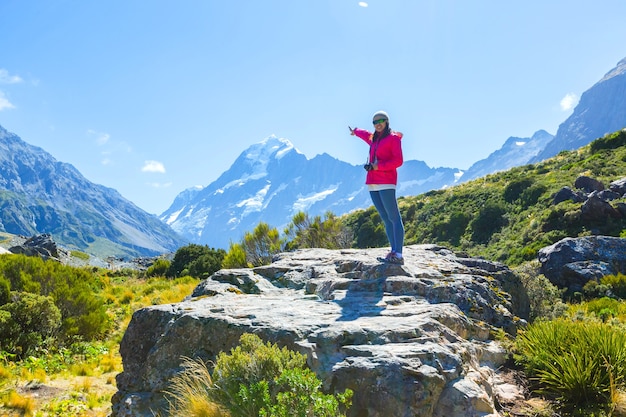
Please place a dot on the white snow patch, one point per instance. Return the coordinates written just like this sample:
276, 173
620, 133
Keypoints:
406, 184
303, 203
254, 203
172, 217
520, 143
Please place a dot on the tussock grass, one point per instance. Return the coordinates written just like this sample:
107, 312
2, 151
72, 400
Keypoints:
576, 362
191, 392
22, 403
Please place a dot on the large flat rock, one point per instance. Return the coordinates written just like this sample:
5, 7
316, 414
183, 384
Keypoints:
411, 340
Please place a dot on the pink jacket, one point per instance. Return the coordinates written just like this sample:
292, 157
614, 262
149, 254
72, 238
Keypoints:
387, 152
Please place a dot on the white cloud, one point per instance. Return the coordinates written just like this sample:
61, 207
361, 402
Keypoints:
5, 103
363, 4
5, 78
569, 101
101, 138
160, 184
153, 166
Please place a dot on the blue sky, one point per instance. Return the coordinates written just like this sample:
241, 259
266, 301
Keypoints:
151, 97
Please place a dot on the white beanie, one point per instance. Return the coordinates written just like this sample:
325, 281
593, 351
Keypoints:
381, 114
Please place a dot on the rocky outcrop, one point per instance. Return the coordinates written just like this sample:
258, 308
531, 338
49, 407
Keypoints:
409, 340
571, 262
595, 199
39, 245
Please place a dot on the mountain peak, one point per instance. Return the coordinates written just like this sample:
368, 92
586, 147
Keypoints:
619, 69
269, 148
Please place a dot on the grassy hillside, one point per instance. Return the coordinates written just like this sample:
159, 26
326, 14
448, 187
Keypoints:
507, 216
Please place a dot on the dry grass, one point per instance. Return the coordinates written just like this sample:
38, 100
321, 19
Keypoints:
190, 392
85, 389
66, 395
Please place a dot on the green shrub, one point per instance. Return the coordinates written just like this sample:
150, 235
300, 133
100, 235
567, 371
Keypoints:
196, 260
452, 228
258, 379
366, 225
544, 297
617, 283
261, 244
73, 290
27, 321
313, 232
592, 290
514, 189
531, 195
235, 257
580, 362
611, 141
5, 290
602, 308
159, 268
489, 220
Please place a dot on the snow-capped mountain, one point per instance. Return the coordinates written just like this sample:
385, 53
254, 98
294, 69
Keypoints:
271, 181
515, 152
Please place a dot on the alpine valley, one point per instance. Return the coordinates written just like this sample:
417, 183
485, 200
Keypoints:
269, 182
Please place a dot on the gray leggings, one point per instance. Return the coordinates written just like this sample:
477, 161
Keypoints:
387, 207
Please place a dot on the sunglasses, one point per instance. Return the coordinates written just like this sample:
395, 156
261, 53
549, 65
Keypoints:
375, 122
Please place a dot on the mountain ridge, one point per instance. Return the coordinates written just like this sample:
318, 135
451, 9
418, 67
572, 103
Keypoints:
601, 110
39, 194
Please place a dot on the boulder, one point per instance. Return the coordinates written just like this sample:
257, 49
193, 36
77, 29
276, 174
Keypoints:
416, 339
571, 262
588, 184
618, 186
39, 245
595, 209
566, 193
607, 195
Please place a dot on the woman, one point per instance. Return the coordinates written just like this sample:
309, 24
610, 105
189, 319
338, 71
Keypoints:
385, 157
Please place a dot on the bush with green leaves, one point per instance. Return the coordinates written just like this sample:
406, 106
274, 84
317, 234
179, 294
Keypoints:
543, 296
367, 228
576, 362
159, 268
199, 261
235, 257
74, 291
27, 322
617, 284
261, 244
305, 231
261, 379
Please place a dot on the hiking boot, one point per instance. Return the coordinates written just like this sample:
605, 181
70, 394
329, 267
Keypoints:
395, 259
392, 258
387, 258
